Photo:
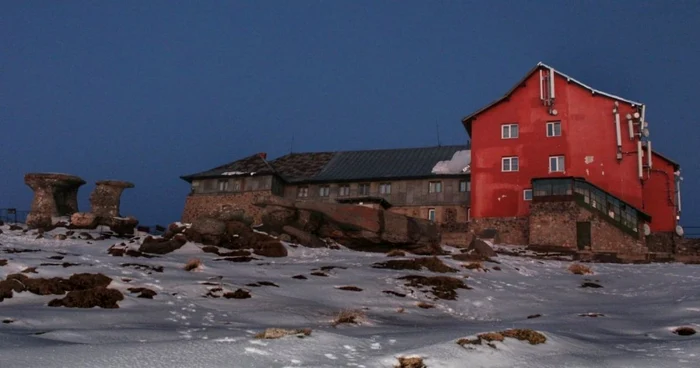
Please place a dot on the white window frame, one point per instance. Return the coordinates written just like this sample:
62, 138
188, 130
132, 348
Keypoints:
507, 131
385, 188
510, 161
344, 190
553, 125
432, 214
223, 185
525, 192
466, 186
363, 185
435, 187
557, 164
324, 191
302, 192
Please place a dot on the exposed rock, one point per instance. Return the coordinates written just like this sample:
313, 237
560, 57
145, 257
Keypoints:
3, 262
173, 229
431, 263
391, 292
443, 287
684, 331
299, 277
349, 288
482, 248
106, 196
143, 292
207, 230
590, 284
162, 245
121, 225
238, 294
55, 195
410, 362
96, 297
276, 333
227, 214
303, 238
143, 267
270, 248
60, 237
84, 220
356, 227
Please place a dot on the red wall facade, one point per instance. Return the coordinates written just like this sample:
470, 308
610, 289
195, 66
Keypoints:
588, 143
660, 195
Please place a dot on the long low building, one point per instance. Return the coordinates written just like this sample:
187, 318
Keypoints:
425, 182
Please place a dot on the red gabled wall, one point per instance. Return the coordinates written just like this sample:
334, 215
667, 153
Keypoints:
588, 142
660, 195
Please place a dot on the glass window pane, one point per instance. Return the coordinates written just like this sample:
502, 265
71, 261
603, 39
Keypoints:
514, 131
514, 164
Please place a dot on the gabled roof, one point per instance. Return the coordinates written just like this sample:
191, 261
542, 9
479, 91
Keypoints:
301, 166
401, 163
251, 165
540, 66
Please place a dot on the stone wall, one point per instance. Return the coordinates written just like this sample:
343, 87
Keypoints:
511, 230
554, 224
662, 242
443, 213
209, 204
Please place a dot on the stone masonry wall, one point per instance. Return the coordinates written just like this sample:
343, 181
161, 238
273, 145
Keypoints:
208, 204
554, 223
511, 230
443, 214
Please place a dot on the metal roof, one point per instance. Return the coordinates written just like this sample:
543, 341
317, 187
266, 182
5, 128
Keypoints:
401, 163
386, 163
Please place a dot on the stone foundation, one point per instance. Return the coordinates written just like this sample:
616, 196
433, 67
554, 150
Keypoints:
211, 204
443, 213
511, 230
662, 242
55, 195
554, 223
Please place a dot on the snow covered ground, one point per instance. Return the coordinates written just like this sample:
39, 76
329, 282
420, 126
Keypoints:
641, 305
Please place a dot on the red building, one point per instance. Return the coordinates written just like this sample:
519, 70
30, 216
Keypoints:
550, 125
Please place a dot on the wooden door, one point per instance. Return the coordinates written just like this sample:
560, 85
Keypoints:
583, 235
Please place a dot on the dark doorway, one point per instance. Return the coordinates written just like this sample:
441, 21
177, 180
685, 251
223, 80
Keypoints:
583, 235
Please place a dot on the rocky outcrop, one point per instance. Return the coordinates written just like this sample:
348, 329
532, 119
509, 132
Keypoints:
84, 220
55, 195
106, 197
356, 227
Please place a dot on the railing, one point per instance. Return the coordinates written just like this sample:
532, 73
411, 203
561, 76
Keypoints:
613, 209
13, 215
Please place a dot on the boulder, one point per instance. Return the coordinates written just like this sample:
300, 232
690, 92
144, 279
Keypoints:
173, 229
106, 197
122, 225
55, 195
83, 220
270, 248
356, 227
481, 248
96, 297
227, 214
303, 238
161, 245
207, 230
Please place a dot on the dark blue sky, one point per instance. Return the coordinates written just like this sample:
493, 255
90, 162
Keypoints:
149, 91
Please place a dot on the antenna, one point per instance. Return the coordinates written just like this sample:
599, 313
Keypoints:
437, 130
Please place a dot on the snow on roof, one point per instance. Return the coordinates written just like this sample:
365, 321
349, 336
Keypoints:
570, 79
459, 163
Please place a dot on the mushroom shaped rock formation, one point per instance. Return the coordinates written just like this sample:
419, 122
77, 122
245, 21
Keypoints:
55, 195
106, 197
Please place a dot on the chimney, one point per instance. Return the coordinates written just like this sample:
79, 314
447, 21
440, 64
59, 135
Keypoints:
263, 155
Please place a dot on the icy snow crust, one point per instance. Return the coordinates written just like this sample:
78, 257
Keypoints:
180, 328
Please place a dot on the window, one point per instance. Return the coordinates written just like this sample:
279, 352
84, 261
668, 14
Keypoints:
363, 189
464, 186
556, 164
509, 164
324, 191
237, 186
431, 214
344, 190
527, 194
554, 129
385, 188
223, 185
509, 131
435, 187
303, 192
